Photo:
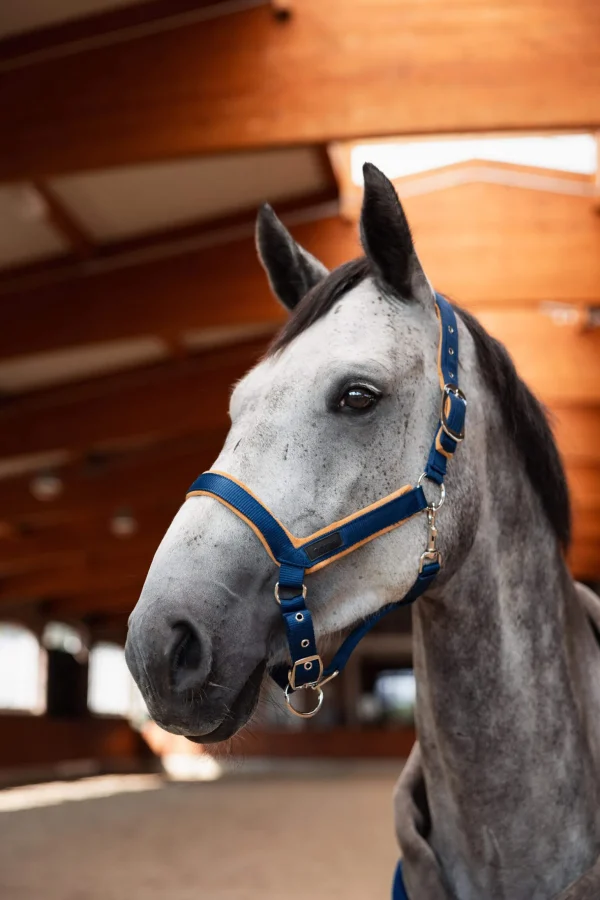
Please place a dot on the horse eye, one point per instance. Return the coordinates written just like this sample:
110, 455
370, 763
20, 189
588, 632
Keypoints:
358, 399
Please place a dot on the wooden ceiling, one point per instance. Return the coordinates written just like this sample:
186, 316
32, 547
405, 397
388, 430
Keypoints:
171, 80
124, 92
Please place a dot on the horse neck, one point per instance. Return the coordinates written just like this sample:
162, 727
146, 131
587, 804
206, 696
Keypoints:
499, 662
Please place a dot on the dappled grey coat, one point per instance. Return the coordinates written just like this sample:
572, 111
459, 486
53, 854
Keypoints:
422, 872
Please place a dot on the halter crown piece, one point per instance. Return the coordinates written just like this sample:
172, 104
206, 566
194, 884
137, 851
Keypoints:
297, 557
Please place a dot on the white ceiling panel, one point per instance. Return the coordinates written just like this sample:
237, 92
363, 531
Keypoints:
576, 153
119, 203
25, 232
26, 373
27, 15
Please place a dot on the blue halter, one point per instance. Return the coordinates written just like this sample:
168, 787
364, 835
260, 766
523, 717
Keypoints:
298, 557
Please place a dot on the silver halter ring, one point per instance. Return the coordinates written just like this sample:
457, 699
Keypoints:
433, 506
278, 598
310, 713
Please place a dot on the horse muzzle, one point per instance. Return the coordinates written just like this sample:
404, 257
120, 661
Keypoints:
173, 665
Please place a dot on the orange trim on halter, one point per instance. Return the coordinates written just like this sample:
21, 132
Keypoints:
245, 519
439, 354
366, 540
438, 444
301, 542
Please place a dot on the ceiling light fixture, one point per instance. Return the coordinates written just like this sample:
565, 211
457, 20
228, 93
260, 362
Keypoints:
46, 486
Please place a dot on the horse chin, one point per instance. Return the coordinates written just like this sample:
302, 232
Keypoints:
239, 712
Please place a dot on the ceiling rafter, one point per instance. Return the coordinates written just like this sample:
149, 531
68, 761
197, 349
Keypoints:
65, 222
466, 237
79, 577
111, 26
330, 72
171, 398
86, 541
99, 484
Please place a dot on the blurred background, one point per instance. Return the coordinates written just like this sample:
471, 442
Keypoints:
136, 142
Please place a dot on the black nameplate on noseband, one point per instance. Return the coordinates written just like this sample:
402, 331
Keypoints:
324, 545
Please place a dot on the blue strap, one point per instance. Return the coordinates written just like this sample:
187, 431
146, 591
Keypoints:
448, 348
454, 405
291, 578
342, 656
363, 527
314, 550
338, 663
249, 507
301, 641
398, 888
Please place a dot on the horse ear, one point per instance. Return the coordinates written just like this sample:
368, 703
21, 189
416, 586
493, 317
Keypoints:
292, 270
386, 238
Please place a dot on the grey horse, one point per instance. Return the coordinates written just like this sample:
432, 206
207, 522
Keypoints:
500, 797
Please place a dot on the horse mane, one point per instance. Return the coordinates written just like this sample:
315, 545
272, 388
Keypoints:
526, 422
524, 417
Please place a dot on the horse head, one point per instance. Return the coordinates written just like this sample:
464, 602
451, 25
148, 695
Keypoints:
339, 414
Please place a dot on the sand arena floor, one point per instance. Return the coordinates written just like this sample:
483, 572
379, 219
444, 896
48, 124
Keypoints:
239, 838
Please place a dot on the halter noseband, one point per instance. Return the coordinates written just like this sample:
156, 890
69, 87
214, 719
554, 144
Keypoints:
298, 557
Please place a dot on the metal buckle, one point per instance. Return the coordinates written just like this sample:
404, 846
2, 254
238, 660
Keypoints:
277, 597
307, 663
310, 713
453, 389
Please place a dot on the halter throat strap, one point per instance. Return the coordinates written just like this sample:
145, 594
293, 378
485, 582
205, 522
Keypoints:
298, 557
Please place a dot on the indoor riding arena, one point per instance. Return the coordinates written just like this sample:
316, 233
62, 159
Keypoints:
223, 713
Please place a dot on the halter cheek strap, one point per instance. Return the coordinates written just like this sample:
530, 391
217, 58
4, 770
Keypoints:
451, 426
298, 557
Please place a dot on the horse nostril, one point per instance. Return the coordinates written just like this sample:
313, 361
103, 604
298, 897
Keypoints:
187, 657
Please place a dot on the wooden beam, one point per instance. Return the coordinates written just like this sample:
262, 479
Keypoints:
586, 528
120, 600
570, 373
69, 543
174, 398
82, 33
584, 560
65, 222
30, 745
165, 290
99, 485
485, 245
335, 70
577, 433
494, 245
597, 176
173, 241
77, 578
584, 485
